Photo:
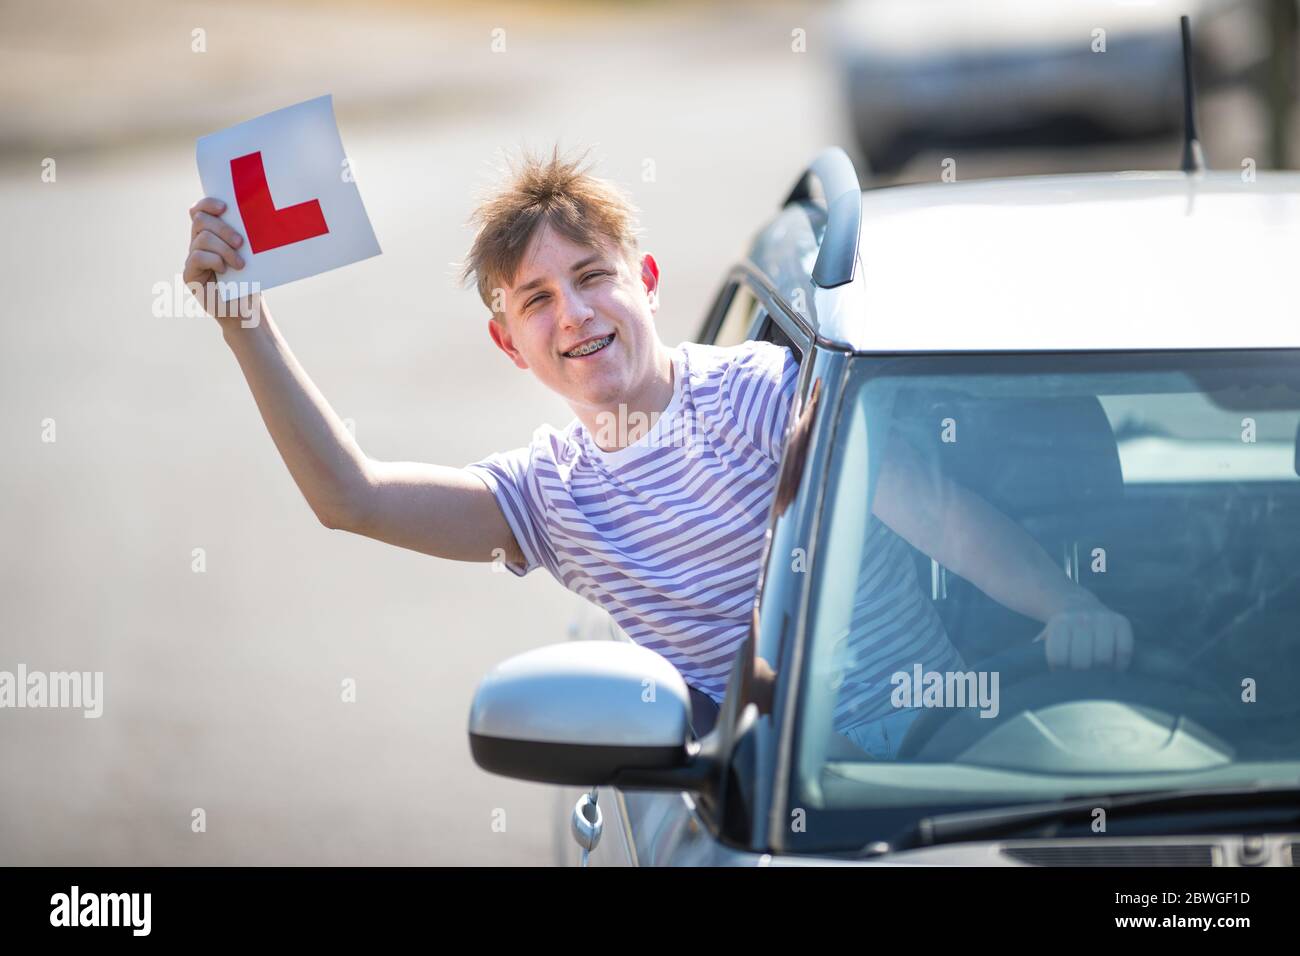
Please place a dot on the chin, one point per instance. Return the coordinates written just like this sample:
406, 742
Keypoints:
603, 395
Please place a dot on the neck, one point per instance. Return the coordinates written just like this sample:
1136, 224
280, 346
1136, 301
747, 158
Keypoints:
616, 426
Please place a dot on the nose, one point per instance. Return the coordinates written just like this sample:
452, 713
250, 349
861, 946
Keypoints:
574, 310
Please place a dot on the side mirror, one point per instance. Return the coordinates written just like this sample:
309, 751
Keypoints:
583, 713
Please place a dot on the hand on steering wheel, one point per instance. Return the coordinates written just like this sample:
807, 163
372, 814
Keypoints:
1085, 636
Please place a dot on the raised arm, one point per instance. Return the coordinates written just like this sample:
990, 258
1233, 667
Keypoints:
439, 510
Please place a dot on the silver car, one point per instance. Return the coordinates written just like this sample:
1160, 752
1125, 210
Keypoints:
1118, 361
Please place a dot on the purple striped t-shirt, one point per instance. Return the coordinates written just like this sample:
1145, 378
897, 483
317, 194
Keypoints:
665, 534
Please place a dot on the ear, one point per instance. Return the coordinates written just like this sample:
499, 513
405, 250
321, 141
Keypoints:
501, 336
650, 277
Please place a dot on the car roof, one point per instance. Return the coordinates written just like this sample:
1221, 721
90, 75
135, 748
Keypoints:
1112, 261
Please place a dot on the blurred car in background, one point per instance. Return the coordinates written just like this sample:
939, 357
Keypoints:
933, 74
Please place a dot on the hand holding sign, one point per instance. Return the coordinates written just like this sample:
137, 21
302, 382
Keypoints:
212, 252
279, 181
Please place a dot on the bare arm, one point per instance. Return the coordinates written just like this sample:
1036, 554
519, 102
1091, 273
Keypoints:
966, 534
971, 538
324, 460
434, 509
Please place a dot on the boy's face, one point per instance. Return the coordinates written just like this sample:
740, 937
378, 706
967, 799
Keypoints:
567, 296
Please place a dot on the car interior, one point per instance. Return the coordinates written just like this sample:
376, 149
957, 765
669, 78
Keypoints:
1206, 571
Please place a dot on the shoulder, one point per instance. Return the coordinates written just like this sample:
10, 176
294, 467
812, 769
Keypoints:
558, 445
750, 386
550, 448
749, 356
737, 372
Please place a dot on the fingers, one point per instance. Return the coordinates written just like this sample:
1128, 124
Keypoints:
209, 205
218, 227
1079, 641
200, 262
194, 271
1068, 647
1057, 646
210, 242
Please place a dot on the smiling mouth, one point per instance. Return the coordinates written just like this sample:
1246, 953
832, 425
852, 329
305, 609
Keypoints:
589, 348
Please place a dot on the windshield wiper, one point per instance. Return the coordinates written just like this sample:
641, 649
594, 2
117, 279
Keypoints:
1002, 821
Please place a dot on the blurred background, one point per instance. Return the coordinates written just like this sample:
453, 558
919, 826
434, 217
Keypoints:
222, 686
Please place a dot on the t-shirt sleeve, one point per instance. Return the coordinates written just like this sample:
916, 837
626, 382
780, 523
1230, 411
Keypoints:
506, 473
758, 389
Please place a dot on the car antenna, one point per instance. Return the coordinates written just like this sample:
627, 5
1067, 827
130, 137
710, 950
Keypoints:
1193, 155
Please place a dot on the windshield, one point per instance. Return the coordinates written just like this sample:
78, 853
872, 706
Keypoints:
975, 501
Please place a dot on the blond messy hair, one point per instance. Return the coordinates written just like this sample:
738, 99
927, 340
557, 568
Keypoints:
557, 192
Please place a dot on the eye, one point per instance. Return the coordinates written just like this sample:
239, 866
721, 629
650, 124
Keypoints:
535, 299
595, 272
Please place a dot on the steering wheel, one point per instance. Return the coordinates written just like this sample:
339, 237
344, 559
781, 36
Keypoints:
1152, 673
